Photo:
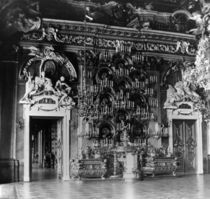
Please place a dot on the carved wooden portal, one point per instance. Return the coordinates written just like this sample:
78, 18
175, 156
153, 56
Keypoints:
185, 144
185, 137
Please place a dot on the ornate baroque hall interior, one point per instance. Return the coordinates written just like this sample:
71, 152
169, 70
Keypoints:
104, 99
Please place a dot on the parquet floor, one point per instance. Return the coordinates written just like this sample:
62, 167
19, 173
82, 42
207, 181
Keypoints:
185, 187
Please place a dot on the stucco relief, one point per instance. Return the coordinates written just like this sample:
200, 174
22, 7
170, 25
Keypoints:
182, 92
45, 85
181, 47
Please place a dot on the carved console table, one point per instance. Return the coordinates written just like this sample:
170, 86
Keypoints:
91, 168
156, 166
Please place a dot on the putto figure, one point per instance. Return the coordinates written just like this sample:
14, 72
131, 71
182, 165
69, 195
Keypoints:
62, 88
42, 79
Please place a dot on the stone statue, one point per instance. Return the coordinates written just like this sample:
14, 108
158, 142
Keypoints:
62, 88
171, 97
181, 92
36, 87
192, 95
47, 83
124, 129
43, 84
39, 82
30, 86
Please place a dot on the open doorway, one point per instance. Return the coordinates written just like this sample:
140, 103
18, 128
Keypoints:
57, 117
43, 148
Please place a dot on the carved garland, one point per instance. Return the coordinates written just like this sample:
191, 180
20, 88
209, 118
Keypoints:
182, 47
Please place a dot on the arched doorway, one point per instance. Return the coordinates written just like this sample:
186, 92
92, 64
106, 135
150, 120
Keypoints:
49, 93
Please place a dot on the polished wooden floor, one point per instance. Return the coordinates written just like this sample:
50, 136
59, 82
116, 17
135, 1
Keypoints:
167, 187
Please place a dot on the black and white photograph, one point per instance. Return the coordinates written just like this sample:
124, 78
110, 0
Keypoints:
104, 99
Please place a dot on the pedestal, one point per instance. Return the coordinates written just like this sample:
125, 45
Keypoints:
115, 166
130, 166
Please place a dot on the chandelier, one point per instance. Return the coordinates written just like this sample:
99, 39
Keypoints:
88, 105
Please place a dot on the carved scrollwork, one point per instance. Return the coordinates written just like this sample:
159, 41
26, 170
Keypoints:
43, 86
50, 34
48, 60
182, 47
185, 47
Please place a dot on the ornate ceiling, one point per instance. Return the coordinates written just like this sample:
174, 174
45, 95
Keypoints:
18, 16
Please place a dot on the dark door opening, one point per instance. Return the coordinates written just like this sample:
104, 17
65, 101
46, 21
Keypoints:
43, 146
184, 144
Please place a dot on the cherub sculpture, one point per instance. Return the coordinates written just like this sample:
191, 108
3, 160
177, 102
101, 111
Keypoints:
171, 97
181, 92
47, 83
62, 88
192, 95
43, 84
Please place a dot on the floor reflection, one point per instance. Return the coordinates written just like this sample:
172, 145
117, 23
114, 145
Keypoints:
40, 174
185, 187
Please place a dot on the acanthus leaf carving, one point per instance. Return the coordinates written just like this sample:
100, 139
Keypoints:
50, 34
